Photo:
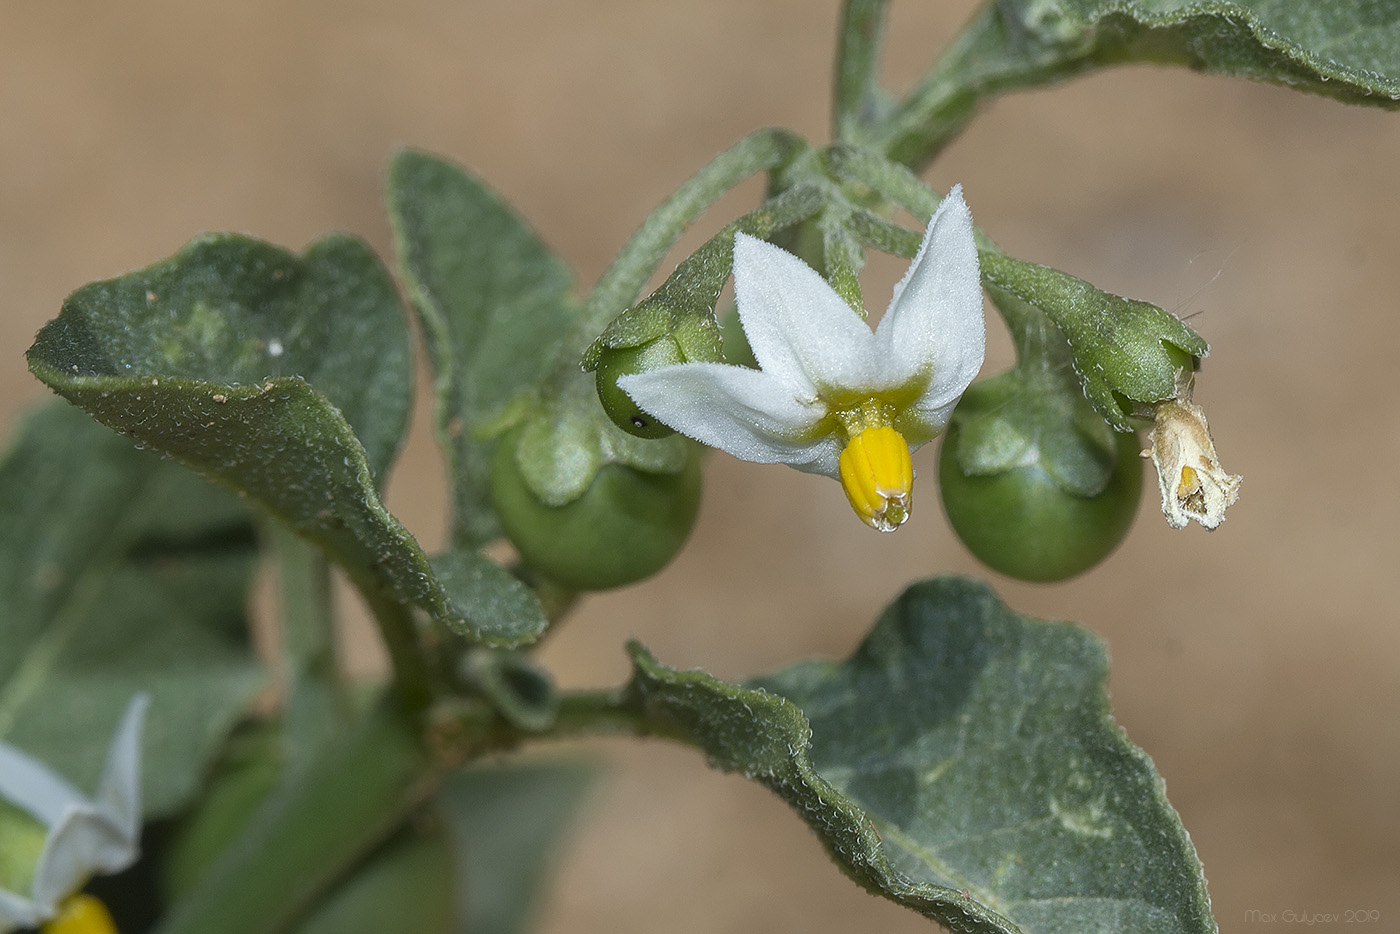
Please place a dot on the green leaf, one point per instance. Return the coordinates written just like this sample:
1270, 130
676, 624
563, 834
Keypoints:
501, 608
963, 762
248, 769
506, 820
495, 303
1347, 49
404, 886
119, 573
286, 379
303, 836
231, 311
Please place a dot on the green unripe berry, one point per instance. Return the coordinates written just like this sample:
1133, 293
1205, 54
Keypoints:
627, 525
1025, 518
615, 363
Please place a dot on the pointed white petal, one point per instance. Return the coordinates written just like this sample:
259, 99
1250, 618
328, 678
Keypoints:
18, 912
33, 787
119, 794
83, 844
934, 327
799, 328
750, 414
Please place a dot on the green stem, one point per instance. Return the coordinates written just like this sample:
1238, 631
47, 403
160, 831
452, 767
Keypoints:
316, 704
355, 792
1041, 347
620, 284
842, 258
857, 67
607, 713
1039, 343
699, 278
413, 680
986, 59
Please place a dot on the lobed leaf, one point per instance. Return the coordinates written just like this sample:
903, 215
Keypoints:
119, 573
284, 378
963, 762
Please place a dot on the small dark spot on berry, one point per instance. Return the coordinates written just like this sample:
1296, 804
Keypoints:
639, 422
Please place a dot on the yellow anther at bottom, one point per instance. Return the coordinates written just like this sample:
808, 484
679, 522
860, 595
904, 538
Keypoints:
81, 914
878, 477
1189, 484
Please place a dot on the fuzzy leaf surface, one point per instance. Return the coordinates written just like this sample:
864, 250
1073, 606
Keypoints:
119, 573
1347, 49
285, 378
495, 304
963, 762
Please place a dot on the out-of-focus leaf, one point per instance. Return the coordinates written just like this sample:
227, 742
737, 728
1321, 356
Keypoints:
963, 763
505, 821
303, 836
405, 886
119, 573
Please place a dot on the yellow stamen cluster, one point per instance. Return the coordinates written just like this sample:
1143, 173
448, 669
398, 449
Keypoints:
81, 914
878, 477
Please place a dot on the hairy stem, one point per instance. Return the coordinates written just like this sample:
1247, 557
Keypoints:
618, 287
857, 68
989, 57
316, 705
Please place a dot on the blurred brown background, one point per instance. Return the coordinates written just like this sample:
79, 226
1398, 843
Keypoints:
1260, 666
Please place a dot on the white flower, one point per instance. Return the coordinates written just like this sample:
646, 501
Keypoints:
86, 837
832, 396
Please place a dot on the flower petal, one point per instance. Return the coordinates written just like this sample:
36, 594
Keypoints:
119, 793
750, 414
33, 787
83, 844
800, 330
934, 327
17, 912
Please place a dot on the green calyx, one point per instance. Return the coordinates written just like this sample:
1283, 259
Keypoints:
625, 525
1034, 482
1023, 419
1128, 354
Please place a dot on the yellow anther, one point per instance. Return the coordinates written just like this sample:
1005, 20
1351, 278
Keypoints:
1189, 484
81, 914
878, 477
